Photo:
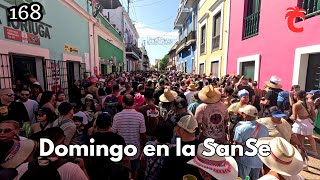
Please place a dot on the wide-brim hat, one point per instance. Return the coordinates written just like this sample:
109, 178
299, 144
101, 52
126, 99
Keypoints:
274, 83
26, 148
209, 95
284, 158
216, 166
168, 96
192, 87
88, 96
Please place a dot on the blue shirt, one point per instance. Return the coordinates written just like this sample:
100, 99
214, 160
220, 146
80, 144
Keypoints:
283, 95
244, 132
193, 106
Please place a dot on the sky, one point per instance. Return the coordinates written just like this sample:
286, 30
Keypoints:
154, 21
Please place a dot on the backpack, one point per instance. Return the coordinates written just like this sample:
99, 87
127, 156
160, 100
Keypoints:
283, 97
47, 172
111, 105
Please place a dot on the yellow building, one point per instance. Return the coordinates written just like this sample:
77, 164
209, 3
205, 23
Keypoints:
212, 41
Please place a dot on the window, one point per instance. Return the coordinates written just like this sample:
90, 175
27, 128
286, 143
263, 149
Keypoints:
201, 68
311, 6
203, 39
216, 31
248, 69
251, 21
215, 68
185, 67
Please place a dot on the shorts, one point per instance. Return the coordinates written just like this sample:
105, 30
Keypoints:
303, 127
135, 165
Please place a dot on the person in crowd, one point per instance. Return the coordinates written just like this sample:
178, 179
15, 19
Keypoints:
12, 110
244, 84
30, 105
224, 167
175, 167
258, 95
100, 166
159, 91
192, 89
66, 170
130, 124
78, 113
129, 90
36, 92
61, 97
92, 89
176, 87
48, 101
10, 130
166, 103
89, 107
316, 130
272, 88
294, 90
150, 86
250, 128
151, 114
139, 97
227, 93
200, 85
193, 106
285, 163
19, 151
45, 119
303, 125
244, 100
76, 93
212, 115
65, 121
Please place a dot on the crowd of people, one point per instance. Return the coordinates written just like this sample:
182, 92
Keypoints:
154, 108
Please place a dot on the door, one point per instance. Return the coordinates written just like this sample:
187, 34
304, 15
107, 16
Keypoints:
103, 69
114, 69
23, 67
313, 73
201, 69
215, 68
248, 69
185, 67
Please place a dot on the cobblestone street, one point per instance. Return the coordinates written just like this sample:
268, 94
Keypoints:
313, 172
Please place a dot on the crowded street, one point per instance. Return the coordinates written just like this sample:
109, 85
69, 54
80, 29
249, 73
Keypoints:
159, 90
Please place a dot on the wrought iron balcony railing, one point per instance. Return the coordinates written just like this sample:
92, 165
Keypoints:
251, 25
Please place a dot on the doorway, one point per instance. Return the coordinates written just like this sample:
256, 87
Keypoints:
313, 72
73, 74
23, 67
185, 67
247, 69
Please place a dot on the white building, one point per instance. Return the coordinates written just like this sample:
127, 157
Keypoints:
119, 18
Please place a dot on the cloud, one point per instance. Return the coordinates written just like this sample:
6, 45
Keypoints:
146, 31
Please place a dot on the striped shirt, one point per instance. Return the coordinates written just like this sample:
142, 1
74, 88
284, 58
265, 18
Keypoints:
130, 124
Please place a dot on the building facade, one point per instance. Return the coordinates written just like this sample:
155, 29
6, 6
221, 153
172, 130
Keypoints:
261, 44
186, 24
57, 50
119, 18
173, 57
212, 43
145, 59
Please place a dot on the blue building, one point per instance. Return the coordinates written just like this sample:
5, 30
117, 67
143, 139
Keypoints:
186, 23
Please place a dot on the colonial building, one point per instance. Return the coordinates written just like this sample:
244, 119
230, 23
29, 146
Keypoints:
261, 44
212, 43
186, 24
145, 59
58, 49
119, 18
173, 57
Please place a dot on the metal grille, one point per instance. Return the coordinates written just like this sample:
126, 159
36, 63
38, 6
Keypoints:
56, 76
5, 71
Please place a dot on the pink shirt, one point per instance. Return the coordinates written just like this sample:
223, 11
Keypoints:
213, 118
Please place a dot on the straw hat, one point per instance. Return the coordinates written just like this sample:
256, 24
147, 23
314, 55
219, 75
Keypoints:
209, 94
192, 87
20, 151
216, 166
274, 82
168, 96
284, 158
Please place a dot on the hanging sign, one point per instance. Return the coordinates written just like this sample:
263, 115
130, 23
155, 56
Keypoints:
71, 49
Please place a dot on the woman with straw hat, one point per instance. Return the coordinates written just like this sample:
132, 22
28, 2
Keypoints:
166, 100
284, 162
212, 115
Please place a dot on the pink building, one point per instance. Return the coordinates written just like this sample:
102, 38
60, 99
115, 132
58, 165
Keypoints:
261, 44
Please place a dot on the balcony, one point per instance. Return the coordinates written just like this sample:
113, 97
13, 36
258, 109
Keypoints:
133, 51
312, 7
191, 38
251, 25
215, 42
182, 16
202, 48
181, 44
191, 3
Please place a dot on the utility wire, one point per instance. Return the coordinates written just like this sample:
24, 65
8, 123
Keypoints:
162, 21
150, 4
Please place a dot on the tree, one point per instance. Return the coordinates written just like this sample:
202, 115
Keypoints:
164, 62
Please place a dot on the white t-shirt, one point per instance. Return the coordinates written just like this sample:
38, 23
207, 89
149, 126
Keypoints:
31, 106
189, 96
83, 115
270, 177
68, 171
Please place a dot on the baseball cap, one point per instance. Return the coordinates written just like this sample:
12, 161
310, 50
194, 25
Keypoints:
276, 112
249, 110
243, 93
188, 123
314, 92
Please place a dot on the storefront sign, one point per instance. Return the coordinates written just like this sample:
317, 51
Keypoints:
33, 39
35, 28
12, 34
71, 49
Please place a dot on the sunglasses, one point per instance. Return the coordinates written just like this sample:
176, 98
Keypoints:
6, 131
25, 94
10, 95
40, 114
